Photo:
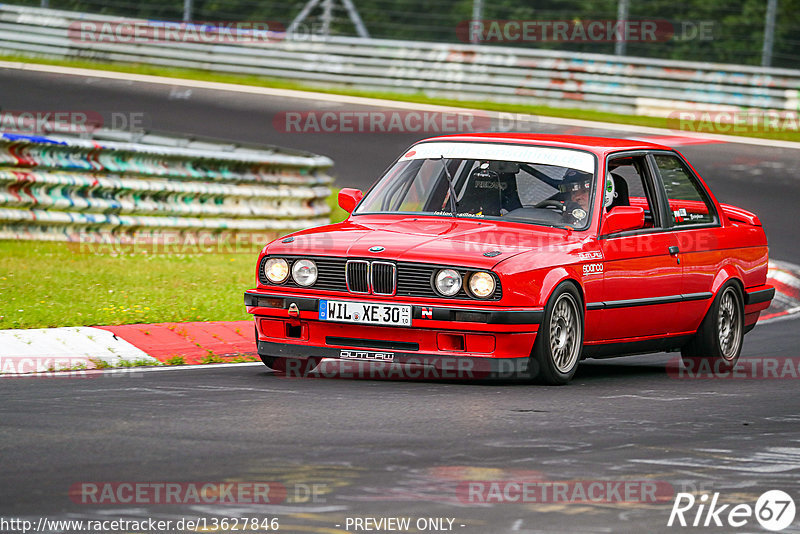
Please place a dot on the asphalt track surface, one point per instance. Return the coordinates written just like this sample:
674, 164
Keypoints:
379, 448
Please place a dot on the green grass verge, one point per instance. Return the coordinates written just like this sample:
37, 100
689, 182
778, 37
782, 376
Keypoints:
570, 113
337, 213
44, 284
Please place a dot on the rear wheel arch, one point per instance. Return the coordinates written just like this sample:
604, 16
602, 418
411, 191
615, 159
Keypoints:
726, 273
718, 341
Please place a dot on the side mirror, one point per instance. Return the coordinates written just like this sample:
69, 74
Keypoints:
349, 199
623, 219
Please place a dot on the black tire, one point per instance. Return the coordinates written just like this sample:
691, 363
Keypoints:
269, 361
719, 339
559, 343
296, 367
290, 366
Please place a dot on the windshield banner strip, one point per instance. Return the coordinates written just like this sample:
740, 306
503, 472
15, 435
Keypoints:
574, 159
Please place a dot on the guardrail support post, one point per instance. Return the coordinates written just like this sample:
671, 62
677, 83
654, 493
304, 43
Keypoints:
622, 33
769, 33
356, 19
327, 17
477, 15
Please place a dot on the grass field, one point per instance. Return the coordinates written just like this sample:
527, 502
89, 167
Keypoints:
44, 284
49, 284
787, 133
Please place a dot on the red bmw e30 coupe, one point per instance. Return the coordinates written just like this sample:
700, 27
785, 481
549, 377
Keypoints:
517, 254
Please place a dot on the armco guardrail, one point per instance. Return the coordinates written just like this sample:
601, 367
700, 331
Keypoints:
467, 72
133, 187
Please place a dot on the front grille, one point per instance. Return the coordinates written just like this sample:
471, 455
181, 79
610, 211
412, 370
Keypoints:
371, 343
358, 276
383, 277
403, 279
377, 277
416, 280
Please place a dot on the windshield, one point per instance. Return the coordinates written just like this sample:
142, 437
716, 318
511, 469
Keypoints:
538, 185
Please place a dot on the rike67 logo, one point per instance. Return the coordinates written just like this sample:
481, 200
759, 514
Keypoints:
774, 510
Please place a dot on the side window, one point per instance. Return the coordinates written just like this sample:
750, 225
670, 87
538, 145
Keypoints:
627, 186
688, 203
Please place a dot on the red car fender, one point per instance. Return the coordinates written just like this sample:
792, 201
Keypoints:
258, 264
728, 272
554, 277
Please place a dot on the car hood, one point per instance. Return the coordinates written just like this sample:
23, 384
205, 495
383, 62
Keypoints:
438, 240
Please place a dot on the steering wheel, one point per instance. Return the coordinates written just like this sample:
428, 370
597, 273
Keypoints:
552, 204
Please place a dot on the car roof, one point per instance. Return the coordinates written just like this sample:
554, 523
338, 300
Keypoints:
598, 145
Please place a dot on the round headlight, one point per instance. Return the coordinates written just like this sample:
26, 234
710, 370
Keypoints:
481, 285
276, 270
448, 282
304, 272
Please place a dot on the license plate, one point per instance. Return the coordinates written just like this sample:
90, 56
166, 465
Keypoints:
364, 313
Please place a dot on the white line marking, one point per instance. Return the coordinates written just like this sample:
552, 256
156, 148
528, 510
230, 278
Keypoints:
134, 370
376, 102
196, 367
668, 399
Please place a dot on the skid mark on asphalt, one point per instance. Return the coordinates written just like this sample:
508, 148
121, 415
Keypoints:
771, 460
645, 397
553, 446
178, 391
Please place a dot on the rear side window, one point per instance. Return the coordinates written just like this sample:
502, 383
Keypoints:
628, 187
688, 203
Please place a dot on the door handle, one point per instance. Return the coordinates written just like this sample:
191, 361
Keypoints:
673, 251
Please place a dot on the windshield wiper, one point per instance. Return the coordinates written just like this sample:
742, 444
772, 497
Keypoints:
453, 207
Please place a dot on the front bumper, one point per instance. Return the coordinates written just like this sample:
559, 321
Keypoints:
482, 340
363, 363
275, 304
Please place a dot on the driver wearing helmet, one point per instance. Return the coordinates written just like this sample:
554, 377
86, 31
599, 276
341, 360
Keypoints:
575, 189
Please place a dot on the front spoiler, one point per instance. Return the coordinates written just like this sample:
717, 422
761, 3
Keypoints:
361, 363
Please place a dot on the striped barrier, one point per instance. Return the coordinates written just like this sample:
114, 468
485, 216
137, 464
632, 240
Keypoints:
521, 75
785, 277
146, 186
43, 352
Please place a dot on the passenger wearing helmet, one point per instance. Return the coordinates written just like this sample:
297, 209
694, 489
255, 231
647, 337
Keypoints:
575, 189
